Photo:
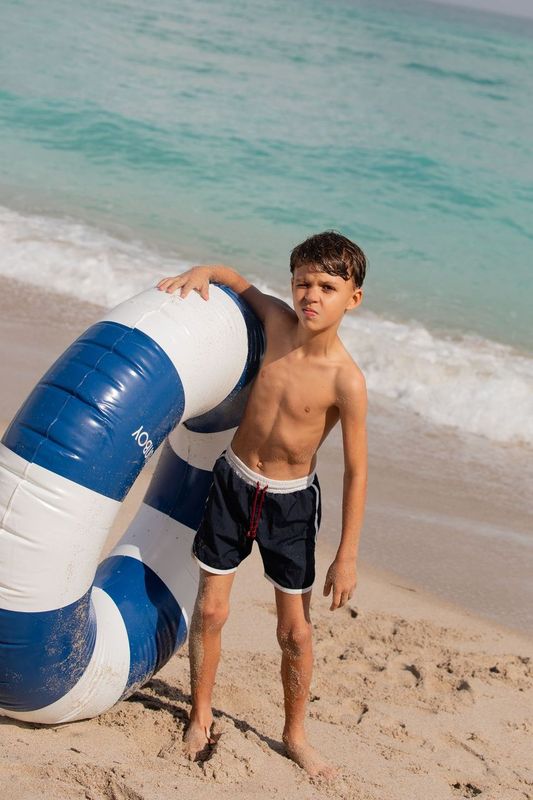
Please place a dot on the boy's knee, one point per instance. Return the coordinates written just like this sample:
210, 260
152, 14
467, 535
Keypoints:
212, 614
296, 639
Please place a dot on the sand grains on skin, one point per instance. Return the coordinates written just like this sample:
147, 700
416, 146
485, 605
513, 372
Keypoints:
306, 757
199, 742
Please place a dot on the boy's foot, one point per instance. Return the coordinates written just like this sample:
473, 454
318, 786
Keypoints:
308, 759
198, 741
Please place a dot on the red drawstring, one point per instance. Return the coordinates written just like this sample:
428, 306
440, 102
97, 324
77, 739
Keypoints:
255, 514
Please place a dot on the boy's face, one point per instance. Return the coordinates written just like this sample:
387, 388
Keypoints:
320, 300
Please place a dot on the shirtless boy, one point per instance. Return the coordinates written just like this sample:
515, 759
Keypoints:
264, 485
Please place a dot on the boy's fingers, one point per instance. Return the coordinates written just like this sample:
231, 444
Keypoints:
176, 284
170, 284
336, 601
186, 282
327, 588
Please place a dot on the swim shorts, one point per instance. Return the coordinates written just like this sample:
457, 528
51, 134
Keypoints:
283, 516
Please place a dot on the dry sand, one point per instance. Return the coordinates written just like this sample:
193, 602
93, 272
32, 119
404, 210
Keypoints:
412, 697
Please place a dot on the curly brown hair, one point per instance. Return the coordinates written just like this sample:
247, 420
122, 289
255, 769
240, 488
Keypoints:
333, 253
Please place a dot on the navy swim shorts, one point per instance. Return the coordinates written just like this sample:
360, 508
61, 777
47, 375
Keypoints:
283, 516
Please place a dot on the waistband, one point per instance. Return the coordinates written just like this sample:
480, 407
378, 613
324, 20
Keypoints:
254, 478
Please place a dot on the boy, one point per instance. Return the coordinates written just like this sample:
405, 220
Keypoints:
264, 485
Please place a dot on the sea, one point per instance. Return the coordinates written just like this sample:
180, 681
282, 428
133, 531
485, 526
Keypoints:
141, 137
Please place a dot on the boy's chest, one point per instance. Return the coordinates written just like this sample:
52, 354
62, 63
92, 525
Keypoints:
300, 390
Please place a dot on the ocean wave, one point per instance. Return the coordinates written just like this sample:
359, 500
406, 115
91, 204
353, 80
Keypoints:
470, 383
439, 72
74, 258
473, 384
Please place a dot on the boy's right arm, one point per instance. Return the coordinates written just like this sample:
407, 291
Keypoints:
199, 278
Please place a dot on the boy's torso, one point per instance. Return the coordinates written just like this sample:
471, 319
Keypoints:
292, 406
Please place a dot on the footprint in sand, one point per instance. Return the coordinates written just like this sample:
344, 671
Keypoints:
465, 789
403, 672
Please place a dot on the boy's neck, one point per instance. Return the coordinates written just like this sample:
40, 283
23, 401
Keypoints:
316, 344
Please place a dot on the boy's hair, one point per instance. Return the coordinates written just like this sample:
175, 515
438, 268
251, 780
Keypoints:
333, 253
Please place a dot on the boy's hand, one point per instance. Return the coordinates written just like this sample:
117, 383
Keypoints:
341, 577
196, 278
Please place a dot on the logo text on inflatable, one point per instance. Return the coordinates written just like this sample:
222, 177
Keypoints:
142, 438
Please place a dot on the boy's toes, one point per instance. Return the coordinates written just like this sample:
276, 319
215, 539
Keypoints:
215, 732
198, 742
328, 772
308, 759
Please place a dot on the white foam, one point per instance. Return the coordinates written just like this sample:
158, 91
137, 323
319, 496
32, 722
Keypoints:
470, 383
70, 257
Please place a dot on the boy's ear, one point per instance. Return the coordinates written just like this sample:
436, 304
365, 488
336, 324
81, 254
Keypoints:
355, 299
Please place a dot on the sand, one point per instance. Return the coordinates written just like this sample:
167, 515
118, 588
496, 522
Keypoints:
413, 696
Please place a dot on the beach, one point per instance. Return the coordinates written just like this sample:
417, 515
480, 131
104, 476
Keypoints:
423, 684
139, 139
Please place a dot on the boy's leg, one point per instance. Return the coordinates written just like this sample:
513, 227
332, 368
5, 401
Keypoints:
295, 639
210, 613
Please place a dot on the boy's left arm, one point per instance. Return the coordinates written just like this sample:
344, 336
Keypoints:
341, 576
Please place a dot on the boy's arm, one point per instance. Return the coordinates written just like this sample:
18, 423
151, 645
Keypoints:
199, 278
352, 403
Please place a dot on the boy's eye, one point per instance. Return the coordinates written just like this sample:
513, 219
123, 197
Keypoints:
328, 288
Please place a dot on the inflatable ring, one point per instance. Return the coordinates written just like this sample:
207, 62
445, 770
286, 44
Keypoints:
157, 370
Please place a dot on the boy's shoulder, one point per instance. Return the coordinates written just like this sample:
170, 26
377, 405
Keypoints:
350, 383
269, 308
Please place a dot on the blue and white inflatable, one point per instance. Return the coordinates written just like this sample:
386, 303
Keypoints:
74, 638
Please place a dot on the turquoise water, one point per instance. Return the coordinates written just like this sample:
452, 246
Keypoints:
140, 137
231, 130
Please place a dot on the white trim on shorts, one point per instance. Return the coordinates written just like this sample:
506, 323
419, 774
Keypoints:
287, 591
316, 509
253, 478
214, 570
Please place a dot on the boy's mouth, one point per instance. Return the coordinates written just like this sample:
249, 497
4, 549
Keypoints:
309, 312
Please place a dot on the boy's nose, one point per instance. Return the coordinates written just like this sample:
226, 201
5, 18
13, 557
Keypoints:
311, 293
